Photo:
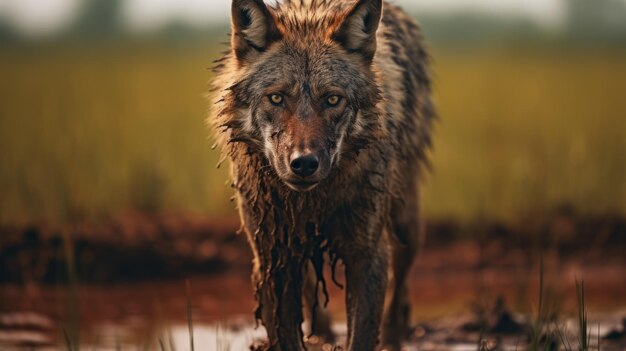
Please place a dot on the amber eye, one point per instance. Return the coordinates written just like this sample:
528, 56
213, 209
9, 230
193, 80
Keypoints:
333, 100
276, 99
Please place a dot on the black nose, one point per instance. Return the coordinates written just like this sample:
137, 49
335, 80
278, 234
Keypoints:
305, 165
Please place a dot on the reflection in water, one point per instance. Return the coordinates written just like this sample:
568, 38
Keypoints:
29, 331
447, 285
217, 337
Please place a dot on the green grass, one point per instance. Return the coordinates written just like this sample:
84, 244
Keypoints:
87, 132
90, 132
584, 332
540, 334
584, 338
526, 132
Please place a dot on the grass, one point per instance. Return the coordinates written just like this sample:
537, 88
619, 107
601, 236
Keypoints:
544, 332
541, 335
583, 328
584, 332
538, 327
87, 132
190, 317
524, 132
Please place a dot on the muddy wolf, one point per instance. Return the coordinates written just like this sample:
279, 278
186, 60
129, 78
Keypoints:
324, 110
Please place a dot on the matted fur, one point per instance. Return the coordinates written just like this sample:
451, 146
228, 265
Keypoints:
365, 203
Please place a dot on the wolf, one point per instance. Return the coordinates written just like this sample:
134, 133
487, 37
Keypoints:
324, 109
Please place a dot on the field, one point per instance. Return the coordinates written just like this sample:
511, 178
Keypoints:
90, 132
109, 144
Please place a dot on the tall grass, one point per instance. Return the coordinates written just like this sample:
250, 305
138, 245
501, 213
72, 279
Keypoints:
544, 332
190, 317
88, 132
540, 336
71, 322
91, 131
524, 132
584, 332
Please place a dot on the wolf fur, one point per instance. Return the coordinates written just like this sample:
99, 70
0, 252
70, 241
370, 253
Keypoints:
274, 95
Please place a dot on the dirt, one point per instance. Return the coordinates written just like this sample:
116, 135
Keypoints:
141, 247
131, 279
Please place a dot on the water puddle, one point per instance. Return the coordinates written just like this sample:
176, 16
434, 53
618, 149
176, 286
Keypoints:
34, 332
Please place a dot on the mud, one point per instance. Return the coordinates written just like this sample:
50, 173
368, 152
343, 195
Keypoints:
130, 275
137, 247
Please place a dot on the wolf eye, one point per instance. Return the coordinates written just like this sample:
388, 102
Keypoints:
333, 100
276, 99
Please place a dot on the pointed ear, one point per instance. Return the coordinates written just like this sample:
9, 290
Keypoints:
253, 28
357, 32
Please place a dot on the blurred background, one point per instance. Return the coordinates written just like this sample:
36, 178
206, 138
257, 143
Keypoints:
110, 197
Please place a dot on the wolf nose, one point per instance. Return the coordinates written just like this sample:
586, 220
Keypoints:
305, 165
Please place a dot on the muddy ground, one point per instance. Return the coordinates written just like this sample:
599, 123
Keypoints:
129, 280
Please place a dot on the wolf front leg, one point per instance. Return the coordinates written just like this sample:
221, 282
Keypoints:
278, 291
366, 279
316, 314
280, 302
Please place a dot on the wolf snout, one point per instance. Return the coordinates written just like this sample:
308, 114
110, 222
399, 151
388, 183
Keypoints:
304, 165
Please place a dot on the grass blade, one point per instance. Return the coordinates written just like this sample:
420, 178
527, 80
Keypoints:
583, 330
190, 317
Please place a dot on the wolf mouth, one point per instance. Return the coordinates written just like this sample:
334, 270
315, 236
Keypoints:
301, 186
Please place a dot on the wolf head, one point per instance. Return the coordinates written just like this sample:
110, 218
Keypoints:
304, 92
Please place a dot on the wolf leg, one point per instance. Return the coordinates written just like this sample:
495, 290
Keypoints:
281, 308
278, 288
317, 316
366, 279
405, 226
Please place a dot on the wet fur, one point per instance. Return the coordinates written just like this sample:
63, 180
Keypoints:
365, 211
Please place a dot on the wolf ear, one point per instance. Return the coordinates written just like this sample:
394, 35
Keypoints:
357, 32
253, 27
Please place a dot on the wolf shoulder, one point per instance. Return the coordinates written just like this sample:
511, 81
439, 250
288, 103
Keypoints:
400, 39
